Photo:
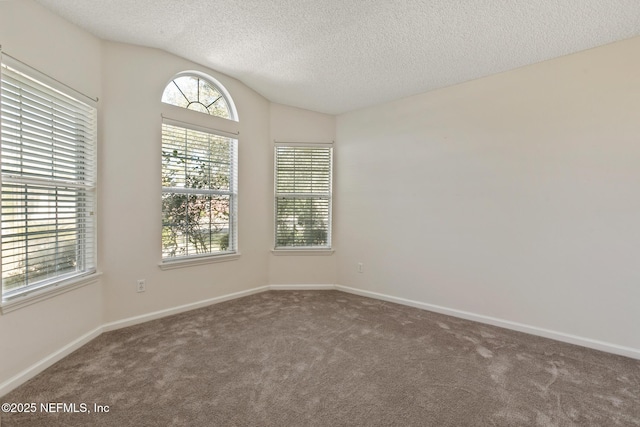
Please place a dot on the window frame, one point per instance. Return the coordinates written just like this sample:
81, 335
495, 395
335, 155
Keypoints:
326, 249
85, 242
199, 121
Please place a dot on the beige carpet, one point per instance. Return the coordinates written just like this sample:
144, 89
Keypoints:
327, 358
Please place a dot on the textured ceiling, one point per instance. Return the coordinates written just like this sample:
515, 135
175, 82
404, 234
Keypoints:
334, 56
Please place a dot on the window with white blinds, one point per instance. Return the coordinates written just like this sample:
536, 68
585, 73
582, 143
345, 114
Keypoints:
199, 192
303, 196
48, 191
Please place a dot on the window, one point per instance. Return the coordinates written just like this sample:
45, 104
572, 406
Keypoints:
303, 196
48, 162
199, 174
196, 93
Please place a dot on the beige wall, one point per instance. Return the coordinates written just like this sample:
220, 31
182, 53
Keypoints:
71, 56
515, 196
131, 206
289, 124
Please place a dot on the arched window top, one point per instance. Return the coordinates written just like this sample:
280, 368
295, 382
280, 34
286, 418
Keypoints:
199, 93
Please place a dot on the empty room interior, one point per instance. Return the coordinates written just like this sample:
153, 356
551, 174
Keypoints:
320, 213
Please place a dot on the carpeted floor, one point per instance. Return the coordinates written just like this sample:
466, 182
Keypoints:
327, 358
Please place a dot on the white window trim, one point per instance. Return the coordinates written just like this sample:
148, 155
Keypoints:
23, 300
195, 120
303, 251
171, 264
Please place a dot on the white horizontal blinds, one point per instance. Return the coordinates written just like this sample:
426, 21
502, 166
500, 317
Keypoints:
48, 163
199, 192
303, 196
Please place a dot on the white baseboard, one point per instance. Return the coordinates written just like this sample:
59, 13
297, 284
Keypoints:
36, 368
130, 321
507, 324
301, 287
179, 309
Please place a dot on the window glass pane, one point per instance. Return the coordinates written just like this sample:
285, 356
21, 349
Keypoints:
209, 95
195, 224
195, 106
220, 108
173, 96
302, 222
42, 230
198, 94
188, 85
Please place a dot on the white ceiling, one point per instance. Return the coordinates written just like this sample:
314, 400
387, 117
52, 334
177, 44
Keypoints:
334, 56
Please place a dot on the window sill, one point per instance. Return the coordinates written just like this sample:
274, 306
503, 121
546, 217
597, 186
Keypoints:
20, 301
189, 262
307, 252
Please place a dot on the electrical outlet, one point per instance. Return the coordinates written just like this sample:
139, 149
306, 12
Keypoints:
360, 267
141, 286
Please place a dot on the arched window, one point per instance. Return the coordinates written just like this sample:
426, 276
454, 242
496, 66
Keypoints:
193, 92
199, 172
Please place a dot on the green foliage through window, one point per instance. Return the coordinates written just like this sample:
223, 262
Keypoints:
198, 192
